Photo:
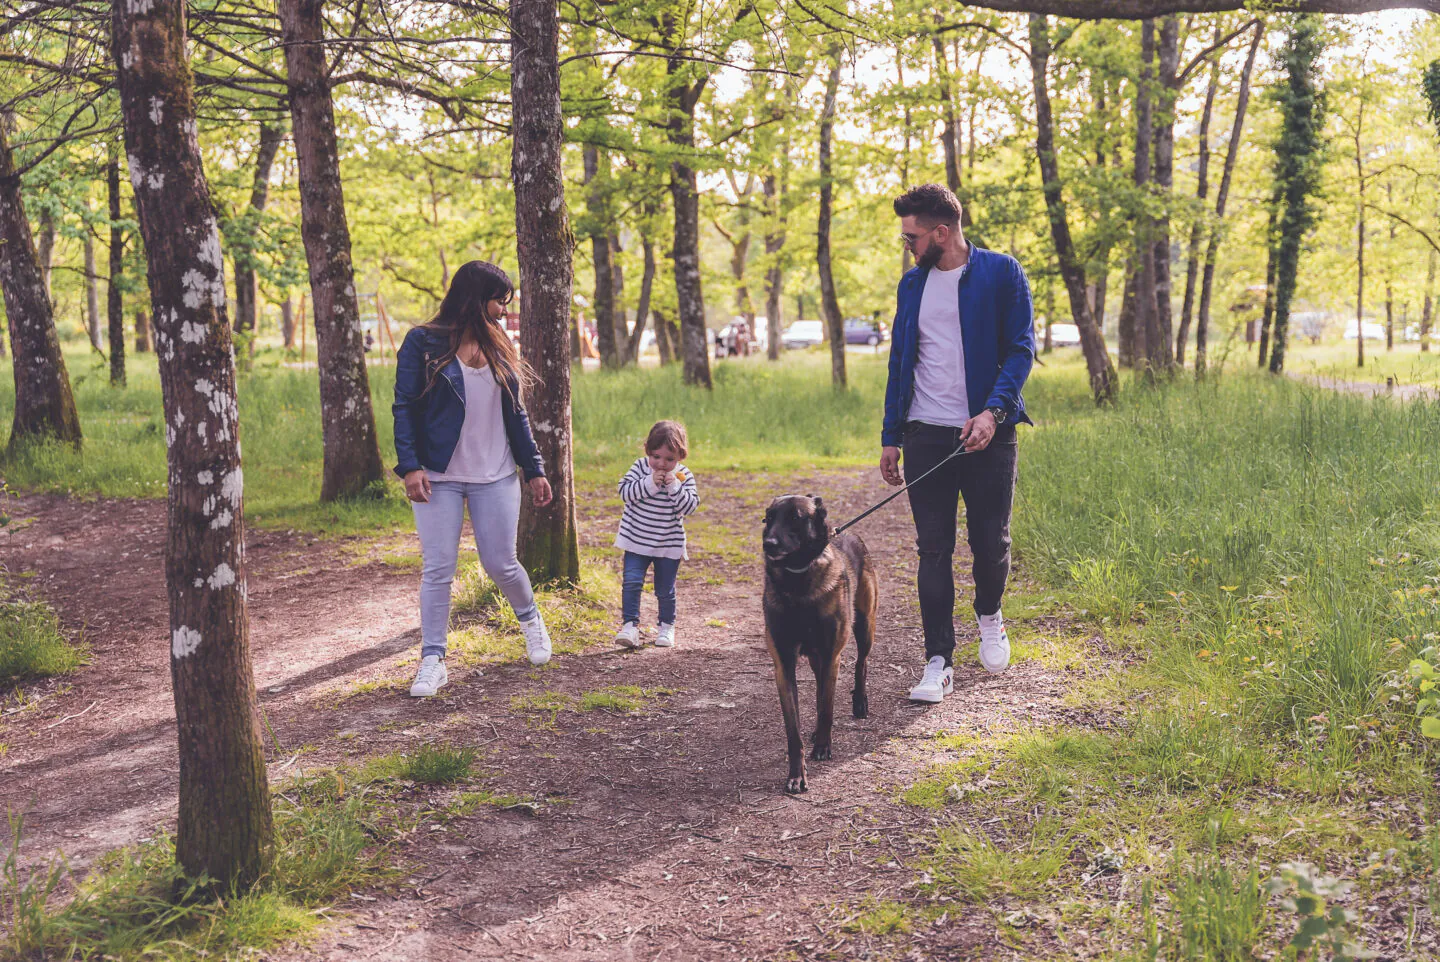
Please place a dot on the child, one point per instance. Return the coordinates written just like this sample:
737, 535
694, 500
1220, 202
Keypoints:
658, 492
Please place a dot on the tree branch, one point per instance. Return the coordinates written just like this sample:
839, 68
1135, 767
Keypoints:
1146, 9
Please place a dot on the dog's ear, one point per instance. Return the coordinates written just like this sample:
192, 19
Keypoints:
820, 511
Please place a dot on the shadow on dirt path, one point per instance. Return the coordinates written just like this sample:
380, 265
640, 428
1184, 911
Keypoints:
656, 834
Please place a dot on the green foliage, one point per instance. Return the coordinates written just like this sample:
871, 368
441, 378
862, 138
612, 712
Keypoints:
1308, 894
1299, 160
1221, 912
1423, 674
136, 905
438, 764
1430, 87
32, 644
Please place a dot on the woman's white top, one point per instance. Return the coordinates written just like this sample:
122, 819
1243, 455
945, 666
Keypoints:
482, 455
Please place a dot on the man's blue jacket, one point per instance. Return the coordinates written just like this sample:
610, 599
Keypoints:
997, 331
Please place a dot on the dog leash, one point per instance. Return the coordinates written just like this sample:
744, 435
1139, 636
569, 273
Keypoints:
903, 488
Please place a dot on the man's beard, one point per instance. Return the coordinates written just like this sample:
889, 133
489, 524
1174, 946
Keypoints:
931, 257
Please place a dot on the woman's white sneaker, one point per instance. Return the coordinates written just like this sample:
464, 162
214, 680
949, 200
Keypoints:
537, 640
665, 637
994, 643
937, 682
628, 636
431, 677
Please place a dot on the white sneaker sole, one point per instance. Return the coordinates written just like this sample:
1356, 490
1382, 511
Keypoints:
660, 643
539, 658
625, 642
428, 694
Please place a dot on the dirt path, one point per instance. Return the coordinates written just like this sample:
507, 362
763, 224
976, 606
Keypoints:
1403, 392
662, 834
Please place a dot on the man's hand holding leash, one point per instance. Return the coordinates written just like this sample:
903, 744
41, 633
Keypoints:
978, 431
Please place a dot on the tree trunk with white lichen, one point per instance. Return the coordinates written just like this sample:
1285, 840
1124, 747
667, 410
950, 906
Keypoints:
352, 453
224, 830
549, 544
44, 406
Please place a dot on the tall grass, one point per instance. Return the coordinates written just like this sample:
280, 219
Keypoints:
31, 642
760, 416
1282, 543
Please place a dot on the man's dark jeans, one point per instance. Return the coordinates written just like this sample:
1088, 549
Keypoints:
986, 480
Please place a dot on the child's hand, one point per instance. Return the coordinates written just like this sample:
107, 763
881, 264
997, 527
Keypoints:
662, 479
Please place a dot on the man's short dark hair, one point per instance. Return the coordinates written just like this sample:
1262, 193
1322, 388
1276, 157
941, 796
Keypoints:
934, 203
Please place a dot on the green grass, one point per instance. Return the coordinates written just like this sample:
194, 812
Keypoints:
428, 765
135, 905
32, 644
750, 421
1336, 359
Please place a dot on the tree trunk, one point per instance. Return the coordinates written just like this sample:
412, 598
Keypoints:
142, 332
1197, 229
642, 307
44, 406
1389, 285
1146, 329
1297, 166
287, 322
682, 97
92, 294
834, 323
1126, 324
114, 296
245, 279
1072, 270
617, 273
664, 342
1359, 241
599, 230
46, 247
950, 137
224, 829
775, 191
1212, 248
1267, 313
352, 452
1427, 317
549, 546
1162, 349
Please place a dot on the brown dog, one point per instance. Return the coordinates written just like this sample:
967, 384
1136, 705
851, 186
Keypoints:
819, 590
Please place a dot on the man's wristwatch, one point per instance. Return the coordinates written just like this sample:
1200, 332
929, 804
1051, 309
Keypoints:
999, 414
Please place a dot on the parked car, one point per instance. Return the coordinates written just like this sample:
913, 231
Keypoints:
1372, 331
803, 334
865, 330
1062, 335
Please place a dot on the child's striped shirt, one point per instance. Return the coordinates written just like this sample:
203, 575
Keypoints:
653, 522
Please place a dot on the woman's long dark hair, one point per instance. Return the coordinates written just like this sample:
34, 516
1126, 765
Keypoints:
462, 311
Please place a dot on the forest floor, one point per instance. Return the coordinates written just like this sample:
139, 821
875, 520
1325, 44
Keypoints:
658, 829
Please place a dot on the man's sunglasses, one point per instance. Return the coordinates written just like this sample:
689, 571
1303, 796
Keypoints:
909, 239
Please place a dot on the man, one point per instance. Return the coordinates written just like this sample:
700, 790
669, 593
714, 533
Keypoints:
962, 345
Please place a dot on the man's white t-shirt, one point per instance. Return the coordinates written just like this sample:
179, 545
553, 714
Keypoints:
939, 393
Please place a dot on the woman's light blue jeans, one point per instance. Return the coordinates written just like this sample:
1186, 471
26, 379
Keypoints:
495, 516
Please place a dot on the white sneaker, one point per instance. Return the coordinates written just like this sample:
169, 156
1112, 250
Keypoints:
537, 640
628, 636
994, 643
431, 677
937, 682
665, 637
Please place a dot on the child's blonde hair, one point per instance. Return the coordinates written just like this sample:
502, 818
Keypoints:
669, 434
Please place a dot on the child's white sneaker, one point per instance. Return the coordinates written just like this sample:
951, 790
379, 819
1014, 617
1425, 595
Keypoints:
629, 635
537, 640
994, 643
431, 677
665, 637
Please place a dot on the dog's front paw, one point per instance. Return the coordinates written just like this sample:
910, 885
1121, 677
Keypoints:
820, 753
795, 786
859, 704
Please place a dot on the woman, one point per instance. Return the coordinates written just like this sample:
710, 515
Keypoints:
460, 432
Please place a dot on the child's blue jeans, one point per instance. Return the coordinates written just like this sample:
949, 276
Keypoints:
665, 571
